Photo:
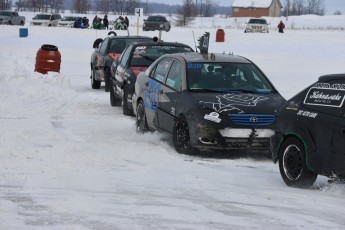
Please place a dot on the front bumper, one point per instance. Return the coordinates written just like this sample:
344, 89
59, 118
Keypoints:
225, 135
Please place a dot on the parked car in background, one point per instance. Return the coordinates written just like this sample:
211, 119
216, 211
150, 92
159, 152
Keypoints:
257, 25
310, 135
8, 17
45, 19
207, 101
68, 21
136, 58
156, 22
106, 51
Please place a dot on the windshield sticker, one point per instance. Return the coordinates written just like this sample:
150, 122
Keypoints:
213, 116
170, 82
306, 114
194, 66
233, 101
324, 94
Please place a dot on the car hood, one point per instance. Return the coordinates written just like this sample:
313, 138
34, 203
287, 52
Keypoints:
246, 103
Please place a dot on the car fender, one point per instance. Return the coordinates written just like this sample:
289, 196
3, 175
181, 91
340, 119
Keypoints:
302, 133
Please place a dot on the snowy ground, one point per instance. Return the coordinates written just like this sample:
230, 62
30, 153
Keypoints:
71, 161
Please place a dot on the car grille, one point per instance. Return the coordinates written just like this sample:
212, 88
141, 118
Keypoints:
253, 119
37, 23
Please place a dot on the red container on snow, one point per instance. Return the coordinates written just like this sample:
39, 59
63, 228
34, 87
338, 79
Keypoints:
48, 58
220, 35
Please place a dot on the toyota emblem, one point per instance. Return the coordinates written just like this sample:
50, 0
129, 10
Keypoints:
253, 119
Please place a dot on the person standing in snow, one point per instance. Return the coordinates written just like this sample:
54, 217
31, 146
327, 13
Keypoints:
105, 21
126, 21
281, 27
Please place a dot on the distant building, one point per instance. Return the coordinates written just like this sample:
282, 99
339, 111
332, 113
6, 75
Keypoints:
256, 8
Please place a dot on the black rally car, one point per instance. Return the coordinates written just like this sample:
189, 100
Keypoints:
310, 135
106, 51
137, 57
207, 101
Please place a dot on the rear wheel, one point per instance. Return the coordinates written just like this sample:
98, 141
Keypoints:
292, 164
141, 121
181, 137
94, 83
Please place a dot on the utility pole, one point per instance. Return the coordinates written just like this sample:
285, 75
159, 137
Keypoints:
287, 10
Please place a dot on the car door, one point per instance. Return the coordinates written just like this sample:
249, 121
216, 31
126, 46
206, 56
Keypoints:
168, 96
324, 117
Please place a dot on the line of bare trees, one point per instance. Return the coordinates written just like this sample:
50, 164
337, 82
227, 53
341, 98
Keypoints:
33, 5
79, 6
301, 7
190, 9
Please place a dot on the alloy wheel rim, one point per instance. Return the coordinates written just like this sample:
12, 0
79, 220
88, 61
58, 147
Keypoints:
293, 162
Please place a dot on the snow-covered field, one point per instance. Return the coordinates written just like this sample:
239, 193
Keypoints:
71, 161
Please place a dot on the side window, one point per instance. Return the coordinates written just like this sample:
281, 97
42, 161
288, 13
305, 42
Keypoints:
174, 78
104, 45
162, 70
52, 17
326, 97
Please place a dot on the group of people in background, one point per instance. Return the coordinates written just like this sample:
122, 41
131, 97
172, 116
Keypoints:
120, 22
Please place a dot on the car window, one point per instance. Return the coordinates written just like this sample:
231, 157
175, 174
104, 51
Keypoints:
104, 45
117, 46
161, 70
174, 78
227, 77
147, 54
326, 97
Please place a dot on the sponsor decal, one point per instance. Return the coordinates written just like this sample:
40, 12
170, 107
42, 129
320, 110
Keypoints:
324, 94
306, 114
213, 116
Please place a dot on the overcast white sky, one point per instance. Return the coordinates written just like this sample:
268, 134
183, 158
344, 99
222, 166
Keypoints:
330, 5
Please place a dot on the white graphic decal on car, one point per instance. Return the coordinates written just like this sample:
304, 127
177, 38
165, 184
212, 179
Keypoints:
232, 101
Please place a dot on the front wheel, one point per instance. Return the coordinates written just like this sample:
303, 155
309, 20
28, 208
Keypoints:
94, 83
107, 80
181, 137
114, 100
126, 110
292, 164
141, 121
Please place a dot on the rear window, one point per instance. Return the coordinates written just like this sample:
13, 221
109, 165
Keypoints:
119, 45
146, 55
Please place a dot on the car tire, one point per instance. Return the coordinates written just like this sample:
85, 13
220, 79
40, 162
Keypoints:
181, 137
292, 164
125, 109
94, 83
141, 122
114, 100
107, 80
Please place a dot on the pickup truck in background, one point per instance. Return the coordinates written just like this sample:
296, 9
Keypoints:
8, 17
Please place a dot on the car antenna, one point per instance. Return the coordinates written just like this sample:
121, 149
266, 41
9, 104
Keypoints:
196, 49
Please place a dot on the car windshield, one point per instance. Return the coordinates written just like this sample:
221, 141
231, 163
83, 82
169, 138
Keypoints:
69, 19
5, 13
228, 77
257, 21
42, 16
155, 19
146, 55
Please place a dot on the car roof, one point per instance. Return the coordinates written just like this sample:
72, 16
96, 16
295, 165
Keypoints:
129, 37
211, 57
159, 43
330, 77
